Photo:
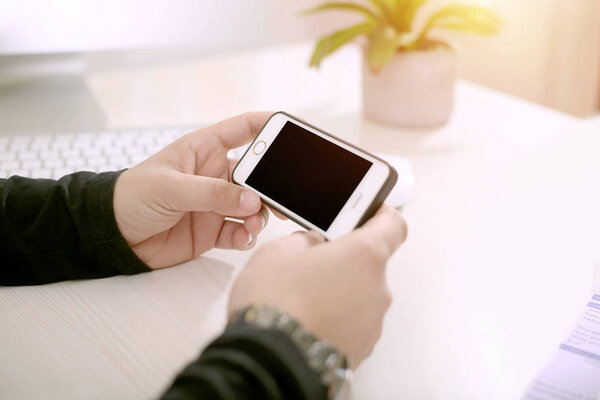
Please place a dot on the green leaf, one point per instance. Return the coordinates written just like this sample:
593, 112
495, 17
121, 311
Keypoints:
344, 6
381, 5
382, 47
385, 10
405, 11
472, 18
331, 43
399, 13
467, 18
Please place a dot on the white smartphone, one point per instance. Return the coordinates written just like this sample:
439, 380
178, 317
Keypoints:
317, 180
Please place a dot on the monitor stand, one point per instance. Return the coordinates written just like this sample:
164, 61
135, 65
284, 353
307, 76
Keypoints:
46, 94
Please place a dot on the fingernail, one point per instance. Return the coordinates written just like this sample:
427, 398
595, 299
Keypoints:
250, 239
264, 221
249, 201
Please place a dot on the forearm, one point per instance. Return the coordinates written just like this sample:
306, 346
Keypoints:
56, 230
248, 362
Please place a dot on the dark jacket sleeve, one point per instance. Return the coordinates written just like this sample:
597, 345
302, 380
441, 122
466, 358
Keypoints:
248, 362
56, 230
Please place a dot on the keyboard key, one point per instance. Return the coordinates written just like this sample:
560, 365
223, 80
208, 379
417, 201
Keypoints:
88, 167
49, 154
118, 160
36, 146
75, 162
153, 148
115, 167
31, 164
144, 140
28, 155
60, 172
91, 152
20, 146
136, 150
136, 159
10, 165
54, 156
60, 145
96, 161
82, 143
87, 135
20, 172
42, 140
21, 140
54, 163
137, 132
69, 153
173, 132
41, 173
146, 133
104, 144
6, 156
108, 135
164, 141
124, 141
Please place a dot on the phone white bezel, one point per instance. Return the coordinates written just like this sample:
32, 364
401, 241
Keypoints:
356, 205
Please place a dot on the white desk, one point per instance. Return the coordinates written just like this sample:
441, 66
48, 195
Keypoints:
503, 243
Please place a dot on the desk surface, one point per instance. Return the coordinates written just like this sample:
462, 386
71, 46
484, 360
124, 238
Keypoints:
501, 255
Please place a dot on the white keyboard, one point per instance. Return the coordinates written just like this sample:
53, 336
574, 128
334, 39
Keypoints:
53, 156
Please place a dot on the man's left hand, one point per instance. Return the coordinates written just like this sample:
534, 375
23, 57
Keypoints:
172, 207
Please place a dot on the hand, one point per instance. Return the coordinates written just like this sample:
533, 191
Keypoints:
337, 289
172, 207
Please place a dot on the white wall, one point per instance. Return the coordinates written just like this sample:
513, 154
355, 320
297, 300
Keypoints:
41, 26
548, 51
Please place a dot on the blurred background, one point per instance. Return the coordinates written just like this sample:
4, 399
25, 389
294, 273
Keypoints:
546, 52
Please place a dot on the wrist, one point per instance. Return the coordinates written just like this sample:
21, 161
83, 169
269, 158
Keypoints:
326, 360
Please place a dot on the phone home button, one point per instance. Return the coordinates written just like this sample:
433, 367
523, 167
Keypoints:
259, 147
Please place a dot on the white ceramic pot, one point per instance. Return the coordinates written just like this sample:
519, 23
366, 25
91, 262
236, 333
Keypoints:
416, 89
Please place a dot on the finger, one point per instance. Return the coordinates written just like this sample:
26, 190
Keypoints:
256, 223
186, 192
278, 214
233, 235
232, 163
386, 226
301, 240
237, 131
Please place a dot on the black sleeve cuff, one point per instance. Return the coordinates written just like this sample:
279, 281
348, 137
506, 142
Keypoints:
249, 362
104, 245
57, 230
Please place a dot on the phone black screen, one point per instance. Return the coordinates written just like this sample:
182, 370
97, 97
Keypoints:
308, 175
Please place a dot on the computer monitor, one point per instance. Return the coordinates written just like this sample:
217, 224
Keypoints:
41, 43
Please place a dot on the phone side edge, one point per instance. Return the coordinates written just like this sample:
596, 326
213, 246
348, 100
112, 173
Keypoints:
381, 195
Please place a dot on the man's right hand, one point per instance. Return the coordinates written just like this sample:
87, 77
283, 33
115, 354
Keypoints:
336, 289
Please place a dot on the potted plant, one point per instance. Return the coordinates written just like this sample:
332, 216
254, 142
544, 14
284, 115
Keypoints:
408, 74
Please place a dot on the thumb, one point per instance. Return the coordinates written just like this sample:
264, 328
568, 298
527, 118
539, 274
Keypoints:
381, 235
300, 240
186, 192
